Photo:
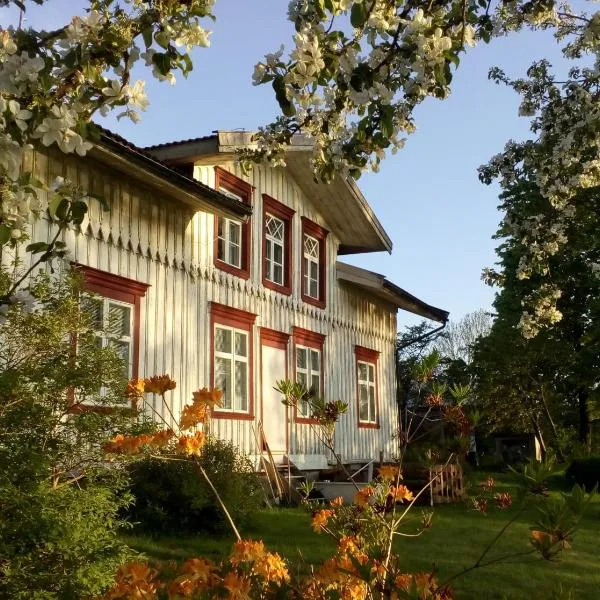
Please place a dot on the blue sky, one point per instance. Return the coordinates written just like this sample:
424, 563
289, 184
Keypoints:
428, 198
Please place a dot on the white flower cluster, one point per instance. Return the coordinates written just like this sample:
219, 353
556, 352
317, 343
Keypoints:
545, 311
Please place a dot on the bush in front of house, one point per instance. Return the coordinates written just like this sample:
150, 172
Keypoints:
584, 472
60, 499
171, 496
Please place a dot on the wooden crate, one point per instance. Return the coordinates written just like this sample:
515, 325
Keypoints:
448, 483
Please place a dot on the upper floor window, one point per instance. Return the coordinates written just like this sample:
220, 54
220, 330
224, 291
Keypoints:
313, 263
366, 378
308, 366
277, 245
232, 239
232, 359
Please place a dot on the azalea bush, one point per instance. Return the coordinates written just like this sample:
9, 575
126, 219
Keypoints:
60, 395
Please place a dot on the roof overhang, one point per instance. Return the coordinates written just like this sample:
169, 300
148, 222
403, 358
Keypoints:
377, 285
125, 158
341, 203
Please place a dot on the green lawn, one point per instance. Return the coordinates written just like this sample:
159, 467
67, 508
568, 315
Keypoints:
455, 541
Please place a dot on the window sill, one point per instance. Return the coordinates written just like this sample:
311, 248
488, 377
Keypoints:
286, 290
365, 425
314, 301
238, 272
227, 414
306, 420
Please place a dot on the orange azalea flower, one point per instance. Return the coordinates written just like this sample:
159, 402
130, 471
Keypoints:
133, 580
237, 586
247, 551
131, 444
401, 493
134, 390
389, 472
362, 497
336, 502
488, 483
208, 397
348, 547
480, 504
192, 444
198, 574
320, 519
192, 416
163, 437
159, 384
503, 500
434, 400
272, 568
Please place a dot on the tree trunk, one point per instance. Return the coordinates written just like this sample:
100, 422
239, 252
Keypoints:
538, 435
585, 430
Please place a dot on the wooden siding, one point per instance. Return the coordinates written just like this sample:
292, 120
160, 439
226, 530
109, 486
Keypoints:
150, 238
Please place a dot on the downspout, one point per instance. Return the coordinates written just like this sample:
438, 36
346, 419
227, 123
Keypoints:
423, 337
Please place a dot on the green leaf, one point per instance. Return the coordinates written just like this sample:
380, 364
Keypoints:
78, 211
162, 39
358, 15
4, 234
37, 247
162, 62
147, 35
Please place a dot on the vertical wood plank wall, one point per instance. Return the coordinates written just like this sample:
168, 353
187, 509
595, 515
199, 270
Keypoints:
151, 238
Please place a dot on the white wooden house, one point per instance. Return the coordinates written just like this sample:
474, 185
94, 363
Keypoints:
233, 281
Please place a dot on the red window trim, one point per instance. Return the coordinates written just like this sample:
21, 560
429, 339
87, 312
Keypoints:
372, 357
310, 339
121, 289
286, 214
243, 189
221, 314
320, 233
276, 339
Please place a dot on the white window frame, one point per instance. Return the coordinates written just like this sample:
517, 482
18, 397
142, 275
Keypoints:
227, 242
233, 358
272, 242
371, 418
303, 407
308, 260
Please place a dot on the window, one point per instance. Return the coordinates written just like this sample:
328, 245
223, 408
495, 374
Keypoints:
232, 237
113, 324
116, 310
308, 365
366, 377
232, 348
313, 263
277, 245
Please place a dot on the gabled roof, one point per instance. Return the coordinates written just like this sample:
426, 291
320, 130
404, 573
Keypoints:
377, 285
341, 203
122, 155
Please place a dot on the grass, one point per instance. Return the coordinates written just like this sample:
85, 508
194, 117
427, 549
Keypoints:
455, 541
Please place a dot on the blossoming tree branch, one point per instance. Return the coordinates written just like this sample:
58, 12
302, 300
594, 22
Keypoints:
355, 72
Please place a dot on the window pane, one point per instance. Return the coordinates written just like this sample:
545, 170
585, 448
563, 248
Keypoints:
314, 289
240, 344
301, 379
315, 385
372, 403
371, 373
122, 350
314, 270
315, 361
222, 340
221, 226
278, 275
234, 255
278, 253
235, 232
303, 408
241, 386
269, 249
221, 249
362, 371
119, 320
223, 379
301, 358
93, 308
363, 403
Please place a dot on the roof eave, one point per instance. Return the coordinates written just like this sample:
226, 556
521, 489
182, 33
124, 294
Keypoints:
177, 185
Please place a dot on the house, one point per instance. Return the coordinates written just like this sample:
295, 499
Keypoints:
233, 281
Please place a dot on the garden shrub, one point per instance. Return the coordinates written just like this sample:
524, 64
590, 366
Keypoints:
585, 472
171, 496
60, 499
